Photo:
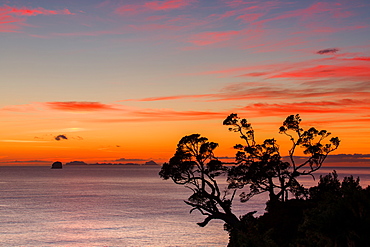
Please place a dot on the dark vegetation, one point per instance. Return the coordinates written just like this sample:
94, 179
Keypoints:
333, 213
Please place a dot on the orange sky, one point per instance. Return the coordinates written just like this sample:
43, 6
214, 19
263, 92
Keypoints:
123, 81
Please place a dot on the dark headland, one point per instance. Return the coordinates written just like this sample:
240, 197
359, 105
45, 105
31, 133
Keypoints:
148, 163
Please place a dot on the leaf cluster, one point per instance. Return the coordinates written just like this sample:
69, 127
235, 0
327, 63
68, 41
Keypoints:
195, 166
262, 168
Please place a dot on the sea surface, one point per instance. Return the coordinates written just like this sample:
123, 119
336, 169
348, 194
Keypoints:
110, 206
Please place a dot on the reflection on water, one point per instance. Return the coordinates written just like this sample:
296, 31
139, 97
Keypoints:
109, 206
97, 206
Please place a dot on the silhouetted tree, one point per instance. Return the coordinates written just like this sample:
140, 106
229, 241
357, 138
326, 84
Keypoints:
260, 166
195, 166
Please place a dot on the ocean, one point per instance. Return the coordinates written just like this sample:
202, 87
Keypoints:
109, 206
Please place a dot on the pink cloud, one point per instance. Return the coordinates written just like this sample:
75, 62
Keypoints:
338, 106
312, 11
208, 38
24, 11
165, 5
344, 106
325, 71
319, 17
367, 59
129, 9
235, 12
309, 69
79, 106
133, 9
238, 3
272, 92
10, 22
250, 17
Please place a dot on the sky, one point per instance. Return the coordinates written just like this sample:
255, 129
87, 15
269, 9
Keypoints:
123, 81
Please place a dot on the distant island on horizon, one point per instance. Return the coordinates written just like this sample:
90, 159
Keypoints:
74, 163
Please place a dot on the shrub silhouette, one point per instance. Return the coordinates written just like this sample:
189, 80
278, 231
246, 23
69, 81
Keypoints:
334, 214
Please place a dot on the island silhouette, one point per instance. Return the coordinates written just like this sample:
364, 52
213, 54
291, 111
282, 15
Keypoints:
57, 165
82, 163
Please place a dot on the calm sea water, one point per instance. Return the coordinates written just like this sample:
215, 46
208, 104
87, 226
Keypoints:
108, 206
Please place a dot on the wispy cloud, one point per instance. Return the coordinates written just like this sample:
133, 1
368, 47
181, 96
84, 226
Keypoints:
24, 11
328, 51
367, 59
176, 97
207, 38
10, 23
338, 106
314, 11
248, 18
144, 6
273, 91
12, 19
325, 71
167, 4
163, 115
79, 106
336, 66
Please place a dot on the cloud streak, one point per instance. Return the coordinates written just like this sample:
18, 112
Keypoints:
163, 115
141, 6
177, 97
12, 19
328, 51
24, 11
208, 38
79, 106
273, 91
311, 107
327, 71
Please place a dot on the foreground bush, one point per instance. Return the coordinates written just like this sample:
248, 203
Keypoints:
334, 214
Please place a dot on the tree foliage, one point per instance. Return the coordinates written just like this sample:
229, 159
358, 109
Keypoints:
195, 166
258, 168
261, 167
